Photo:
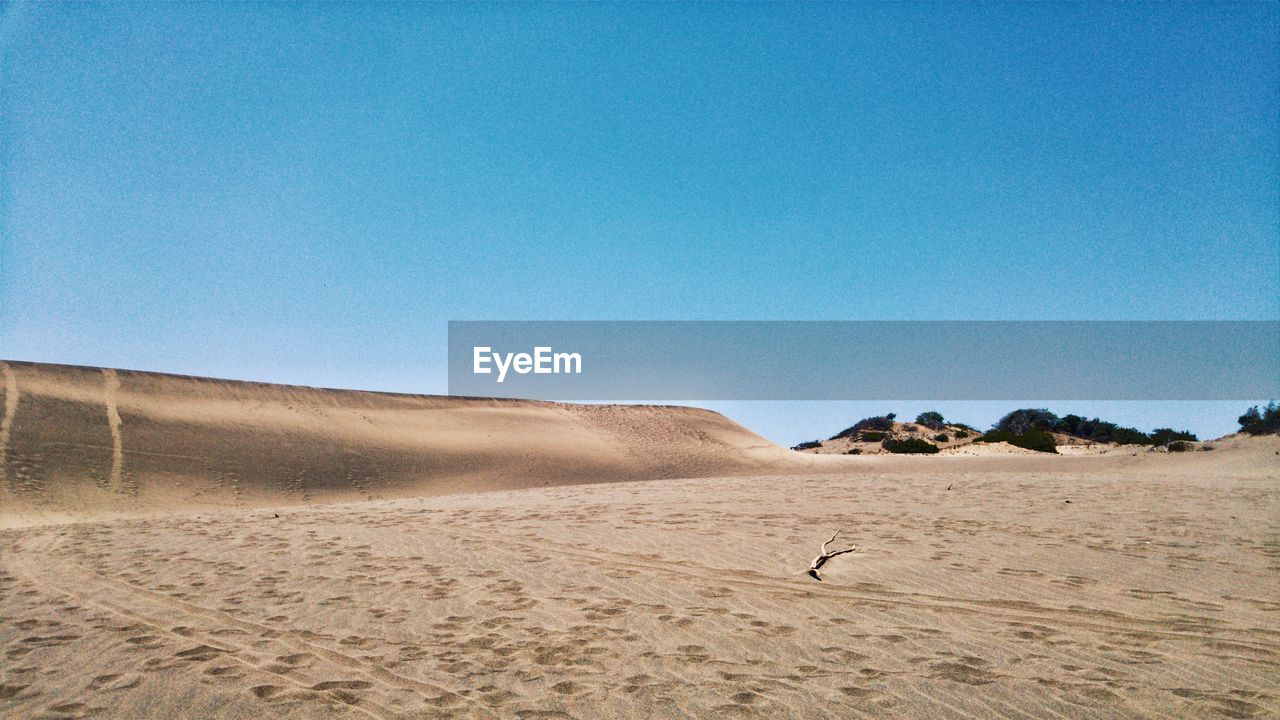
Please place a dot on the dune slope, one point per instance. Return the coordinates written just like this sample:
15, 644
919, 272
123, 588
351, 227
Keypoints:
77, 441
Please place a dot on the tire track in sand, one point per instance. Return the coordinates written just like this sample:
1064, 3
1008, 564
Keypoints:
113, 421
6, 421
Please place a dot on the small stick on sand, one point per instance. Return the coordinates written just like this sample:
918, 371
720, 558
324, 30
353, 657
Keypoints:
825, 556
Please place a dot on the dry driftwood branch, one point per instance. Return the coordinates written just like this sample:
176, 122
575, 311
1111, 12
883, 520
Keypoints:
824, 556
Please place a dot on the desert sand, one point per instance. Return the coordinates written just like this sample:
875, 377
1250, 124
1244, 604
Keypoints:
494, 559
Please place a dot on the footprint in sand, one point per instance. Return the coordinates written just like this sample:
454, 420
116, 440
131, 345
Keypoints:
342, 685
115, 681
200, 653
567, 687
263, 692
74, 710
966, 672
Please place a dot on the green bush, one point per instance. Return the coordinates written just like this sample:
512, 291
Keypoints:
1038, 440
962, 434
909, 446
1126, 436
808, 445
1096, 430
1181, 446
931, 419
872, 436
1166, 436
879, 422
1019, 422
1264, 422
942, 437
854, 451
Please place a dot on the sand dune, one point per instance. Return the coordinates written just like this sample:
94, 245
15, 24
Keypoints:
1134, 584
80, 442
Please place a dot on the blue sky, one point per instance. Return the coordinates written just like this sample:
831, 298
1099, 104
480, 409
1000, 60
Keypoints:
308, 193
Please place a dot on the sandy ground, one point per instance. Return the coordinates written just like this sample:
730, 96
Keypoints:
998, 584
1155, 591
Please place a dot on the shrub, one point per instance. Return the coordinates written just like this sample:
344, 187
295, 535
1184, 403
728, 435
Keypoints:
854, 451
1038, 440
941, 437
1094, 430
1166, 436
1128, 436
872, 436
931, 419
1264, 422
909, 446
1076, 426
808, 445
1019, 422
879, 422
962, 434
1181, 446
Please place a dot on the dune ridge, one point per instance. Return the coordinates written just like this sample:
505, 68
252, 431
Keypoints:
83, 442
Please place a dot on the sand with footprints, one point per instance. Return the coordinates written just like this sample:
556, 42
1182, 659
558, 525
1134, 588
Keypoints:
585, 574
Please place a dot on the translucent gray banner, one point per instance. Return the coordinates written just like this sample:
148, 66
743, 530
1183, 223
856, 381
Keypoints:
865, 360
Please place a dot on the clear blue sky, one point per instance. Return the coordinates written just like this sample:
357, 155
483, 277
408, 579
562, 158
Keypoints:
307, 193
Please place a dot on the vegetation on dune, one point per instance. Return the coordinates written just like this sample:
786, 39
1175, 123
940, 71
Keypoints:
1168, 436
809, 445
1020, 422
931, 419
1038, 440
1096, 430
1261, 422
1033, 429
882, 423
909, 446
